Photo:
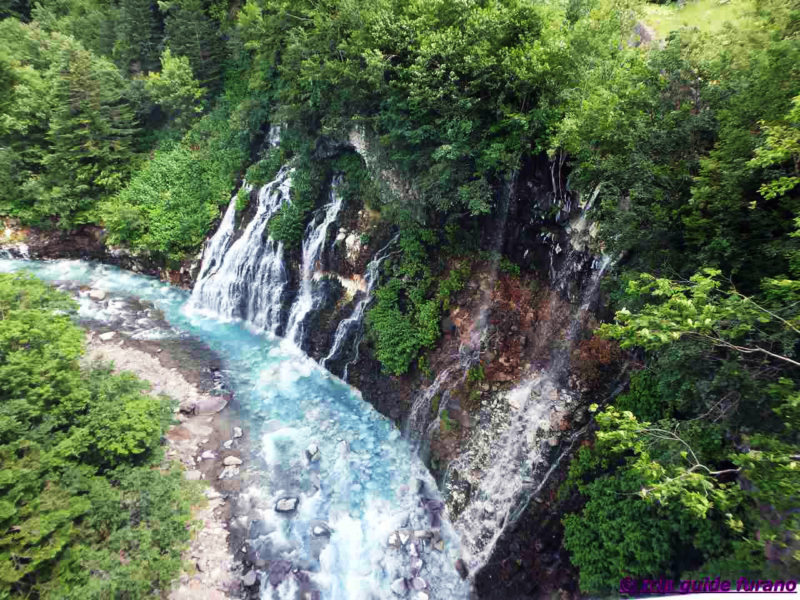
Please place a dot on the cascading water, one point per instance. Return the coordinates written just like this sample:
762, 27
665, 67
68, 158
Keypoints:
218, 244
313, 245
362, 485
510, 454
349, 332
246, 279
481, 325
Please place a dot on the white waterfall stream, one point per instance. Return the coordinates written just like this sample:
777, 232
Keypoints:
313, 245
246, 279
519, 439
350, 330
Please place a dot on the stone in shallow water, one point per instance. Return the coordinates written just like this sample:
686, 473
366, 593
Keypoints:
278, 571
231, 461
286, 505
97, 295
462, 569
394, 540
321, 529
313, 453
419, 584
399, 587
249, 579
416, 565
237, 432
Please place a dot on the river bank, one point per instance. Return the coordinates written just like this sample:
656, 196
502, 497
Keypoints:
206, 437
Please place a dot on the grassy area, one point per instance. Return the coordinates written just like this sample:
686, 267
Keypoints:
707, 15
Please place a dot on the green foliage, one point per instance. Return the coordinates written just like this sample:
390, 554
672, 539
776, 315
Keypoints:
67, 127
406, 318
289, 223
191, 33
242, 200
393, 331
447, 423
265, 170
476, 373
508, 267
176, 90
169, 205
84, 509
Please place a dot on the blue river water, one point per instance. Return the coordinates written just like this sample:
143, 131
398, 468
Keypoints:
366, 485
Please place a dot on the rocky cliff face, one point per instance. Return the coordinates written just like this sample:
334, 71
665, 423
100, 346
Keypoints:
88, 242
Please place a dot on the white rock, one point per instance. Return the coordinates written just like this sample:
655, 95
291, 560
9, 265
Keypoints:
423, 596
422, 534
313, 453
404, 536
399, 587
237, 432
193, 475
97, 295
231, 461
419, 584
109, 335
394, 540
228, 472
227, 445
285, 505
249, 579
208, 455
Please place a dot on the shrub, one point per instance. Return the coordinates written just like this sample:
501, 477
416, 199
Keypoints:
85, 510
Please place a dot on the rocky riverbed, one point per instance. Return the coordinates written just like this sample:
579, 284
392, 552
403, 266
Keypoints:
207, 438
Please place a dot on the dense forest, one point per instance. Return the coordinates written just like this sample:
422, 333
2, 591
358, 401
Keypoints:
88, 507
142, 117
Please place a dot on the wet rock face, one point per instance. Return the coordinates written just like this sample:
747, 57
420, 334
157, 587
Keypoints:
88, 242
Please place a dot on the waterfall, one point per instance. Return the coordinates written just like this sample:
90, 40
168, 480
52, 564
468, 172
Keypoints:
479, 328
246, 279
512, 453
352, 327
420, 415
218, 244
313, 244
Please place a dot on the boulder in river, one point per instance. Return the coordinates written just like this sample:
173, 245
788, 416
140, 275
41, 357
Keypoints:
419, 584
249, 579
287, 504
97, 295
462, 569
312, 453
278, 571
399, 587
237, 432
416, 565
232, 461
